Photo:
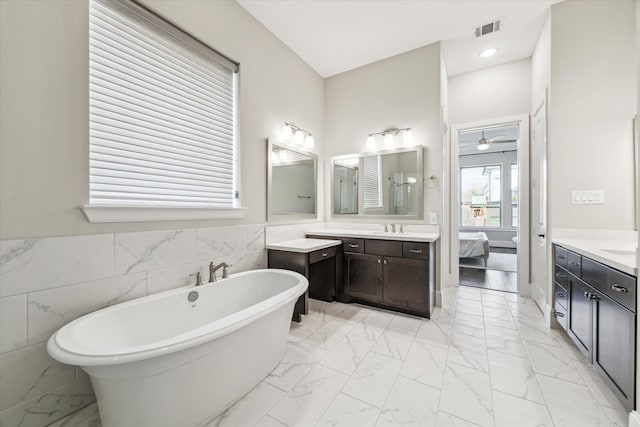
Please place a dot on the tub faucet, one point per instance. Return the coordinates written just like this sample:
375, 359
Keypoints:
214, 268
198, 278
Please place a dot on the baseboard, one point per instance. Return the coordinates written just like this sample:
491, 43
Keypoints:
634, 419
439, 299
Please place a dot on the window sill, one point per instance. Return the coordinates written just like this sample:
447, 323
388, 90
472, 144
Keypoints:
108, 213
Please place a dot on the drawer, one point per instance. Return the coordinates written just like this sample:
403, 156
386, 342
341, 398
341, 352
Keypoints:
561, 256
561, 277
560, 315
383, 247
622, 288
560, 295
322, 254
595, 274
415, 250
353, 245
574, 264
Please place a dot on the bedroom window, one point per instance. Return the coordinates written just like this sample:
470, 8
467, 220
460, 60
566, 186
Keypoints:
162, 119
480, 196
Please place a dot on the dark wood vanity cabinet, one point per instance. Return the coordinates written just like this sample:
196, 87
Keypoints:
363, 276
601, 311
405, 283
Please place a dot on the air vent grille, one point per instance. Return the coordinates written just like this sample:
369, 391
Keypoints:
488, 28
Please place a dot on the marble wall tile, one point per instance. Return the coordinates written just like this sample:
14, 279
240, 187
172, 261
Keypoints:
50, 309
13, 323
245, 262
35, 264
49, 407
306, 402
410, 403
166, 279
151, 250
219, 242
29, 373
255, 237
345, 411
466, 393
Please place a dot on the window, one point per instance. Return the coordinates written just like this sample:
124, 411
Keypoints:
514, 195
162, 114
372, 187
480, 196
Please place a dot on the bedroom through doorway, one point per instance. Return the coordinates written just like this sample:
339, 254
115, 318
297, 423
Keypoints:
489, 193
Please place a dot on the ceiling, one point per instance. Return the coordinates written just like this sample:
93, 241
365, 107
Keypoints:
334, 36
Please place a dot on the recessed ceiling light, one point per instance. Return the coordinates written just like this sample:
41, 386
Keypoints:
488, 52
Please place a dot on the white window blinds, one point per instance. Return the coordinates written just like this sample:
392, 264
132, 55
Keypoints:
162, 113
372, 187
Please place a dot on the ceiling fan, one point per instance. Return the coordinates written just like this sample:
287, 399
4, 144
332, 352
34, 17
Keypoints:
483, 143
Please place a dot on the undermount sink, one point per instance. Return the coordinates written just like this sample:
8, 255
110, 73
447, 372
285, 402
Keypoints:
390, 233
620, 251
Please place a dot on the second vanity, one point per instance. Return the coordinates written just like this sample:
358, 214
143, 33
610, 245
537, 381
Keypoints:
395, 271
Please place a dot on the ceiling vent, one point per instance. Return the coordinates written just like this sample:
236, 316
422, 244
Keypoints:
488, 28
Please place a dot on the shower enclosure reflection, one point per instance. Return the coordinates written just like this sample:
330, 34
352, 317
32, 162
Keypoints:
384, 184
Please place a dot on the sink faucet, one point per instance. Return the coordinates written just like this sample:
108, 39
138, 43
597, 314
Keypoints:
214, 268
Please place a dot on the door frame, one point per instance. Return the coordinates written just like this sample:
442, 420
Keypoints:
523, 121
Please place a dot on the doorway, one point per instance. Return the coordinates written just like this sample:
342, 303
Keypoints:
489, 163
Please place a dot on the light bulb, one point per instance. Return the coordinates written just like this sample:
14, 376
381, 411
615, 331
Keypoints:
286, 132
487, 53
371, 141
483, 146
407, 137
388, 139
298, 137
308, 141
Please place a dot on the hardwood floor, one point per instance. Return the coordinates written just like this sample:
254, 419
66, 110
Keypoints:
489, 279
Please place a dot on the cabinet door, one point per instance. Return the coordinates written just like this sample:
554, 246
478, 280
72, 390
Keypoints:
613, 346
322, 279
580, 312
363, 277
405, 283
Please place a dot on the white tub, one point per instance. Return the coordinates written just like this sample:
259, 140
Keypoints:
164, 361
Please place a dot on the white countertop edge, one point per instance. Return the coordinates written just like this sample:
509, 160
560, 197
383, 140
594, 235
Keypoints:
593, 250
303, 245
366, 234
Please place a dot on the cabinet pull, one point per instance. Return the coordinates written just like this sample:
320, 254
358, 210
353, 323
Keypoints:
559, 294
385, 262
558, 314
561, 275
561, 256
574, 264
379, 261
617, 288
351, 245
415, 251
587, 295
324, 254
593, 297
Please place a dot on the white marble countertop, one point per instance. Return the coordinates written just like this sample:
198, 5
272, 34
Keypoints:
303, 245
368, 234
618, 254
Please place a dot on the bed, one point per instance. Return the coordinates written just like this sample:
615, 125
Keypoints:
474, 244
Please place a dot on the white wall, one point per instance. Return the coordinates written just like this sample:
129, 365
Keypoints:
44, 153
592, 103
490, 93
401, 91
541, 65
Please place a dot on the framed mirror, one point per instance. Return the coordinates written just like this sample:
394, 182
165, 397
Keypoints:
381, 184
292, 182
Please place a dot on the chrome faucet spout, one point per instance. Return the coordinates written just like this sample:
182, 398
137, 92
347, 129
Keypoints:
213, 268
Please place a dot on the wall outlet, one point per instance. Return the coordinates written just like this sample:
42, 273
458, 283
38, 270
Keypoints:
433, 218
589, 197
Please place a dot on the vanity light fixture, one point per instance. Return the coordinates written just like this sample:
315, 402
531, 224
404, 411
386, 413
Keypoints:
388, 137
489, 52
299, 135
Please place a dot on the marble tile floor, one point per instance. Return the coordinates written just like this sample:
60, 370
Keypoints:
484, 359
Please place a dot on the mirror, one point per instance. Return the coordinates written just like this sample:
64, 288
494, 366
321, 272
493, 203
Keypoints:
383, 184
291, 181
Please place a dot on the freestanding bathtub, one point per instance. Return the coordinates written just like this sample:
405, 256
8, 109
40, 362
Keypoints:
164, 360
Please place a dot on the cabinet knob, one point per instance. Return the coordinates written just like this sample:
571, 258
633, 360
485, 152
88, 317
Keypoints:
324, 254
415, 251
385, 262
617, 288
351, 245
559, 294
379, 261
574, 264
561, 275
593, 297
561, 256
587, 295
558, 314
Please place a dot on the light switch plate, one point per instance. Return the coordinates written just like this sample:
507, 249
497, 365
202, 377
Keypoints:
588, 197
433, 218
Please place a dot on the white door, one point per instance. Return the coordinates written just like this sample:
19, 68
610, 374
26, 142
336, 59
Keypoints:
539, 207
